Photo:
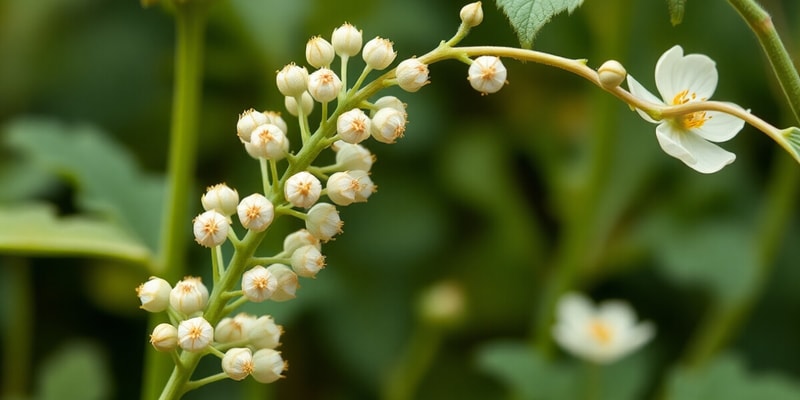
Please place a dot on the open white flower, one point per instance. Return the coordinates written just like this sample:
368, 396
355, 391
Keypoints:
686, 79
601, 334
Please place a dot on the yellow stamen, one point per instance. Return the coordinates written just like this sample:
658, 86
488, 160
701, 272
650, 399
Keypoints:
691, 120
600, 331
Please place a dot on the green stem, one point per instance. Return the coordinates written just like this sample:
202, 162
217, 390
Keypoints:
190, 18
407, 374
17, 331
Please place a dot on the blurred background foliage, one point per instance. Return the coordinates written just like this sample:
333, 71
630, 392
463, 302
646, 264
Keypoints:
492, 193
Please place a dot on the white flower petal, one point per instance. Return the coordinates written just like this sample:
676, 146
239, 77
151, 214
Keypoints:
693, 150
617, 313
719, 127
676, 73
639, 91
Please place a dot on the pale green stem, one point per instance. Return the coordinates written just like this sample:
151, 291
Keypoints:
266, 185
414, 363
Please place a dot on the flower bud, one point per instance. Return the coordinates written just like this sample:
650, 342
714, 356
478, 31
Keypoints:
298, 239
189, 295
353, 126
268, 141
292, 80
302, 189
388, 125
345, 188
287, 282
268, 365
324, 85
238, 363
255, 212
323, 221
210, 228
611, 74
258, 284
248, 121
274, 118
378, 53
353, 156
264, 333
412, 75
195, 334
346, 40
319, 52
442, 304
154, 294
487, 74
307, 261
365, 187
306, 104
234, 329
472, 14
164, 337
221, 199
391, 102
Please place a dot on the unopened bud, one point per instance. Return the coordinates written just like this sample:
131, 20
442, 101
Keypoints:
472, 14
611, 74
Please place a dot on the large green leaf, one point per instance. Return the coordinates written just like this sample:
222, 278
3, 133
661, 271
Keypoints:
78, 371
34, 229
528, 16
107, 178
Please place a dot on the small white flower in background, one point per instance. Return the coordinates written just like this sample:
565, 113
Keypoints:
388, 125
287, 282
255, 212
319, 52
195, 334
353, 126
298, 239
233, 329
221, 199
292, 80
487, 74
306, 104
189, 295
210, 228
346, 40
323, 221
412, 75
247, 123
378, 53
264, 333
258, 284
268, 141
268, 366
601, 334
324, 85
238, 363
687, 79
352, 156
307, 261
154, 294
164, 337
302, 189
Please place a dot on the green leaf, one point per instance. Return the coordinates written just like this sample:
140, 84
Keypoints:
106, 177
78, 371
528, 16
726, 378
35, 230
676, 8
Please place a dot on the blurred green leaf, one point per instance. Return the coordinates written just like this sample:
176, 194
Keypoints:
528, 16
78, 371
107, 178
676, 8
34, 229
726, 378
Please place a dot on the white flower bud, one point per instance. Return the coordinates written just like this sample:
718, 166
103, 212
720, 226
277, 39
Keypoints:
319, 52
365, 187
292, 80
611, 74
210, 228
258, 284
388, 125
323, 221
302, 189
378, 53
472, 14
195, 334
268, 365
324, 85
306, 103
298, 239
248, 121
164, 337
274, 118
154, 294
487, 74
412, 75
307, 261
353, 156
221, 199
346, 40
238, 363
255, 212
345, 188
234, 329
353, 126
287, 282
268, 141
389, 101
189, 295
264, 333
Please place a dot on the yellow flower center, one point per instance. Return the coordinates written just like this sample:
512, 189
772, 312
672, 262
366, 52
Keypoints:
600, 331
691, 120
